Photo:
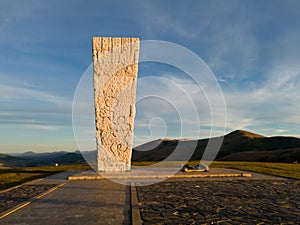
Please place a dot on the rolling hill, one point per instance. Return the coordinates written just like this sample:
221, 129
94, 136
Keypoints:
41, 159
51, 158
238, 145
7, 161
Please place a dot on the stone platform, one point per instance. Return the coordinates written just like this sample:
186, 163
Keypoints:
159, 173
254, 199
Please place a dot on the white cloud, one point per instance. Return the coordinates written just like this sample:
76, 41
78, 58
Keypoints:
182, 105
272, 104
281, 130
31, 109
8, 92
41, 127
157, 18
275, 102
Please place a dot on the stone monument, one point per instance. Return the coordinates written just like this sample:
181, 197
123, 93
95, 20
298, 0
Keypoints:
115, 74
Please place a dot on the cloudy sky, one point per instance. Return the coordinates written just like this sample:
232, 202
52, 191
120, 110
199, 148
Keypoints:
251, 47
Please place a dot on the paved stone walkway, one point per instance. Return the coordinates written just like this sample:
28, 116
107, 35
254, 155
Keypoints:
221, 202
260, 199
77, 202
24, 193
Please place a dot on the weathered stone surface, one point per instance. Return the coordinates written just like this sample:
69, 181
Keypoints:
220, 202
115, 73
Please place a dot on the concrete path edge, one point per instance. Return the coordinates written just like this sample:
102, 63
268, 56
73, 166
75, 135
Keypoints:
135, 209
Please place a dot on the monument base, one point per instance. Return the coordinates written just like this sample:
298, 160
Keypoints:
113, 166
139, 174
107, 163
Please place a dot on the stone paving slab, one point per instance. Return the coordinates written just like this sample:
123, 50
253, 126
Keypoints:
78, 202
15, 198
196, 201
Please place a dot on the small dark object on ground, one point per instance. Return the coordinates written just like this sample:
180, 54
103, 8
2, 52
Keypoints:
195, 168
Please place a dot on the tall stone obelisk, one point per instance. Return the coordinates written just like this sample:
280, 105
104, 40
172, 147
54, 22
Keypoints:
115, 74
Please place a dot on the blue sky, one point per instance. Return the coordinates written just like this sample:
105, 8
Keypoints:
252, 47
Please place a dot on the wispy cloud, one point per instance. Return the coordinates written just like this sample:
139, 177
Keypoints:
45, 47
8, 92
180, 103
26, 108
159, 19
267, 105
273, 104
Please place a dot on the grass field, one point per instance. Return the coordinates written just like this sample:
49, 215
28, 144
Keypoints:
13, 177
287, 170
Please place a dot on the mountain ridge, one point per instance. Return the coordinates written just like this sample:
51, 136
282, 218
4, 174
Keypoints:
31, 159
238, 145
238, 141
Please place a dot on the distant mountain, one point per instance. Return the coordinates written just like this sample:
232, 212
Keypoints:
68, 158
48, 155
160, 149
28, 153
8, 161
39, 159
238, 145
243, 141
286, 156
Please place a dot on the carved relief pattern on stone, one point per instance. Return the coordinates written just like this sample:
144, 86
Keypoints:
115, 72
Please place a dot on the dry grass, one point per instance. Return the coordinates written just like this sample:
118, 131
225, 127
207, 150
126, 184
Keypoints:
287, 170
13, 177
10, 179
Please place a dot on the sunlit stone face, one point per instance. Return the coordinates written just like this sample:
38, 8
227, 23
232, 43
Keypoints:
115, 74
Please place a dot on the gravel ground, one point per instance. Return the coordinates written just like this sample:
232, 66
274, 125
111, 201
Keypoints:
21, 194
221, 202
